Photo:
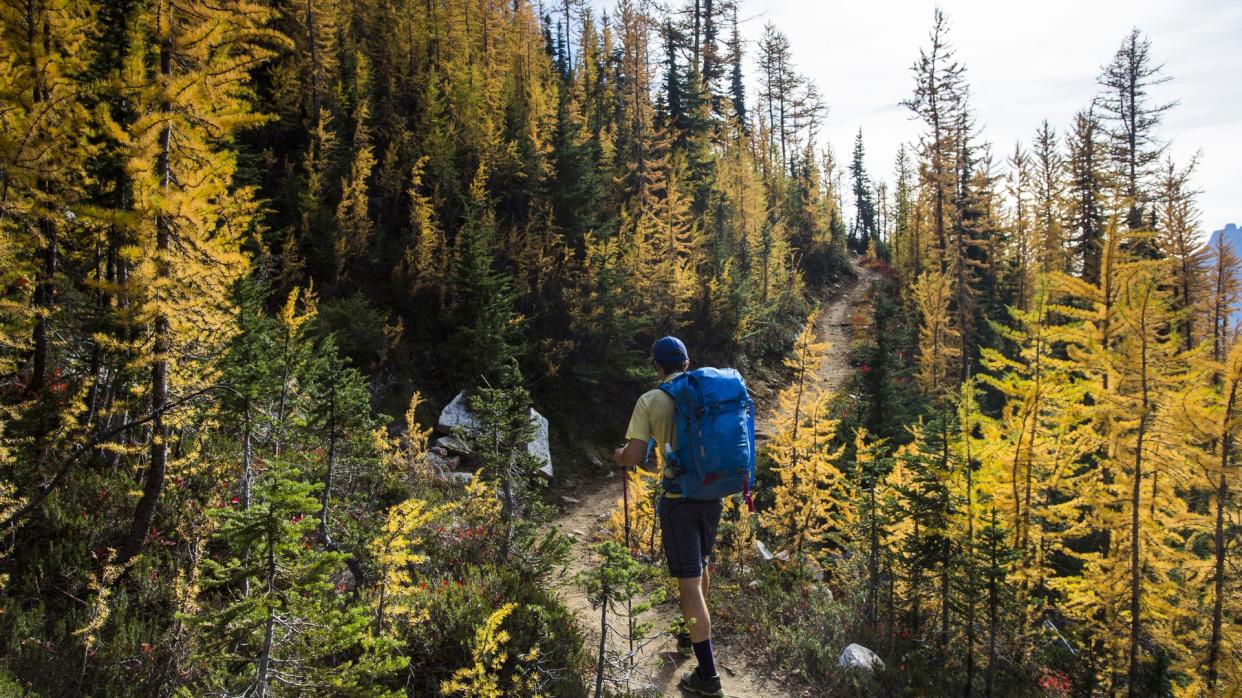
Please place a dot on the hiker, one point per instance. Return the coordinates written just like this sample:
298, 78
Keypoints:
693, 480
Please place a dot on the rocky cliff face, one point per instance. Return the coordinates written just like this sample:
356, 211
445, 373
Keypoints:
1231, 233
1232, 236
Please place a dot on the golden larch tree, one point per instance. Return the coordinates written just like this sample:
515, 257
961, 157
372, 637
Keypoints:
186, 77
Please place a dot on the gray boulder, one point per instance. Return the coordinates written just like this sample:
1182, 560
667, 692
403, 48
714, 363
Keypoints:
442, 462
541, 446
452, 444
457, 415
858, 657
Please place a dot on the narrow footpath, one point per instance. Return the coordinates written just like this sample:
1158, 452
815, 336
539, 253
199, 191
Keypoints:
659, 665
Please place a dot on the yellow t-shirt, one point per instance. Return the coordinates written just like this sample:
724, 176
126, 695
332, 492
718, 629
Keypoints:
655, 417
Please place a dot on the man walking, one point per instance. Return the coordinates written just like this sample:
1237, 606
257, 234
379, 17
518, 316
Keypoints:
687, 525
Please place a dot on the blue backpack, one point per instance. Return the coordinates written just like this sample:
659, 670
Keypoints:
715, 434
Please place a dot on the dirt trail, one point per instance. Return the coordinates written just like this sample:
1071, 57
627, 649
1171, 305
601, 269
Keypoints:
659, 665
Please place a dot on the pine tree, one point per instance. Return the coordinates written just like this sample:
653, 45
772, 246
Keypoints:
399, 549
906, 245
811, 484
251, 369
924, 480
286, 630
353, 218
1086, 193
504, 429
187, 220
43, 153
1132, 358
424, 263
1042, 434
940, 101
994, 547
792, 103
872, 464
1177, 216
612, 587
1208, 417
959, 190
1226, 289
1049, 200
340, 416
1022, 244
305, 79
737, 86
494, 672
939, 339
864, 203
482, 300
1132, 118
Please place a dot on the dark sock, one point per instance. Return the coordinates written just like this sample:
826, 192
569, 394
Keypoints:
707, 663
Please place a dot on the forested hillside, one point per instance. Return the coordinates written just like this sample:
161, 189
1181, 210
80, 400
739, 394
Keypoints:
249, 248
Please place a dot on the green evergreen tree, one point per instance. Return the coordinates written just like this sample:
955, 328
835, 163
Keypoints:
483, 313
864, 201
295, 628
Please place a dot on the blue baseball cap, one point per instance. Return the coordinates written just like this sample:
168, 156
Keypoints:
669, 350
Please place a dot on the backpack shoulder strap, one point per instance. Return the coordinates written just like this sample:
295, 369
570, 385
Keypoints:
669, 389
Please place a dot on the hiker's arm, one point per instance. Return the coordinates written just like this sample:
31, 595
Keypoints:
631, 454
637, 434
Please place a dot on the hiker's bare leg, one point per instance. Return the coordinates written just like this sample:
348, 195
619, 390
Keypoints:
706, 579
694, 607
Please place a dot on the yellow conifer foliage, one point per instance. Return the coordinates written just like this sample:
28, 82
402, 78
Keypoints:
489, 654
1040, 436
353, 219
1209, 416
409, 458
186, 77
939, 339
425, 263
397, 551
810, 486
1129, 590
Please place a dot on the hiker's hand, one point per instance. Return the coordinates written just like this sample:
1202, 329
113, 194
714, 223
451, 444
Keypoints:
630, 455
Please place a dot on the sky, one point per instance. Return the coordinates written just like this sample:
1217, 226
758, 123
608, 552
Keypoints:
1026, 61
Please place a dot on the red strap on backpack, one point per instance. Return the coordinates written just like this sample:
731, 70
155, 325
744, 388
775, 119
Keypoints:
750, 504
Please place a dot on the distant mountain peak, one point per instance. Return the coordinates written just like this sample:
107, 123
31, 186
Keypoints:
1231, 234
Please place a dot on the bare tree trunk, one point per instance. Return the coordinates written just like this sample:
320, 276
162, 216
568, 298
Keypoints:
144, 514
326, 499
44, 287
970, 566
1222, 500
1136, 580
245, 484
43, 297
873, 561
265, 654
603, 646
992, 614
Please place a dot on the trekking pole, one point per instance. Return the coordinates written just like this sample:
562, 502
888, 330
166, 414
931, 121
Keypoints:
625, 502
625, 505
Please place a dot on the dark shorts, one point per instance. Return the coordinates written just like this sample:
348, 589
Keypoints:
688, 531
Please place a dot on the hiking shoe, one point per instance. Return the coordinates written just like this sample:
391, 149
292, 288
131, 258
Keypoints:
691, 682
684, 645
